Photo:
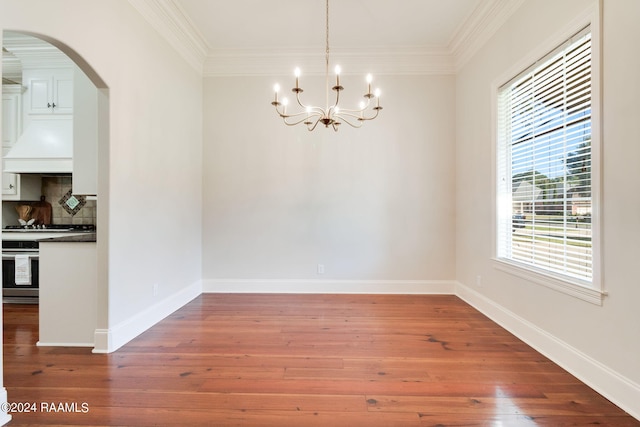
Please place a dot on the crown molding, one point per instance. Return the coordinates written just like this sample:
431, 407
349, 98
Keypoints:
168, 18
173, 24
479, 27
403, 61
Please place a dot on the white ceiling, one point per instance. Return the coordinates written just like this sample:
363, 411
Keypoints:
260, 24
262, 37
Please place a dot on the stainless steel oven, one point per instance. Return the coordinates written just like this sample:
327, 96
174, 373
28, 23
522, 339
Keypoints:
19, 240
12, 292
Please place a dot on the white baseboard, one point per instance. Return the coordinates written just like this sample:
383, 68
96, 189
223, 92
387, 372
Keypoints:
4, 417
109, 340
64, 344
609, 383
330, 286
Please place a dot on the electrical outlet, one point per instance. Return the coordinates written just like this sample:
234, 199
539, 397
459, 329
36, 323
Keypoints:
155, 289
320, 268
478, 280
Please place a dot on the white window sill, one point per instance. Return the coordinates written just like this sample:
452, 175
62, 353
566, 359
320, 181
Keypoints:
575, 288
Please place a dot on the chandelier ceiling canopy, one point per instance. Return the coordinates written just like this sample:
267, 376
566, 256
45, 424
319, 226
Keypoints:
331, 115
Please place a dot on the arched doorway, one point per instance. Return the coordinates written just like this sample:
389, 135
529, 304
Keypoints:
31, 54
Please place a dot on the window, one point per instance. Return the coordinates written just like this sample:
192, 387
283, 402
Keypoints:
544, 165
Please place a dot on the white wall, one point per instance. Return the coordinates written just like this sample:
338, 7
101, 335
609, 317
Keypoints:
374, 204
149, 201
604, 337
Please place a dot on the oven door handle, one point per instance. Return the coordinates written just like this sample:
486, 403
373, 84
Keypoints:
12, 256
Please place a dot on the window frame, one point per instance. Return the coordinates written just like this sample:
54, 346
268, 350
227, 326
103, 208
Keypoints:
590, 291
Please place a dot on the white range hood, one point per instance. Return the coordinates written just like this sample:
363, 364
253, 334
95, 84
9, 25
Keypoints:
45, 146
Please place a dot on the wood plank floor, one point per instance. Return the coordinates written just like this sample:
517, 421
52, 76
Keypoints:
301, 360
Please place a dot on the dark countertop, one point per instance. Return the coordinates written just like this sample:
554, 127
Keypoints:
86, 237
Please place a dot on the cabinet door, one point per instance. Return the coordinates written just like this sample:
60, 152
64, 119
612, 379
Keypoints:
49, 91
9, 181
40, 94
63, 92
11, 124
9, 185
10, 118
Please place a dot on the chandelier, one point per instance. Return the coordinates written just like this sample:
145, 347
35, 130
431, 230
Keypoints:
331, 115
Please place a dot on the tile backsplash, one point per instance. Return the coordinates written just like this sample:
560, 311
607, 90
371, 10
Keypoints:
54, 189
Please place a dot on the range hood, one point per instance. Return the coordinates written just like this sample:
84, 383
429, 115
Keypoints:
45, 146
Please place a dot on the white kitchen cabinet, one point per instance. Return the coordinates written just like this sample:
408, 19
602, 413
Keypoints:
9, 183
15, 187
11, 127
11, 114
48, 91
26, 187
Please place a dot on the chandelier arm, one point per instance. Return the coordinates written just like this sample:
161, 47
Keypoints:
372, 117
359, 110
314, 112
295, 115
293, 123
286, 116
360, 117
311, 128
347, 121
352, 112
344, 113
307, 117
304, 107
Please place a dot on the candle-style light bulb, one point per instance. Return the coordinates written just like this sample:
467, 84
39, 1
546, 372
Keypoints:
285, 102
296, 72
276, 89
338, 70
369, 80
378, 93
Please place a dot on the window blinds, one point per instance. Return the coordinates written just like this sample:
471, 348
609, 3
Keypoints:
544, 163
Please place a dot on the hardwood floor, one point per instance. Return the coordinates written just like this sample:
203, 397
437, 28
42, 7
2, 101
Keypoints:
301, 360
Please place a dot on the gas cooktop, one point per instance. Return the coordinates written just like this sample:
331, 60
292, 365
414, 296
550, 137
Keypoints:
51, 228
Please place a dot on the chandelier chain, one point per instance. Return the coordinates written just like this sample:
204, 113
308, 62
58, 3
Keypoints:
327, 35
327, 58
